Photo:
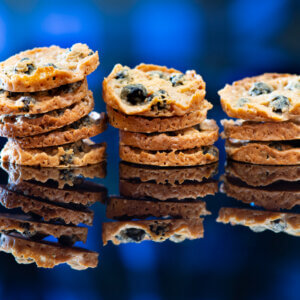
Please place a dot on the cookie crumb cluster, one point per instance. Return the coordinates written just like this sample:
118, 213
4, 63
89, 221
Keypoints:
46, 108
161, 114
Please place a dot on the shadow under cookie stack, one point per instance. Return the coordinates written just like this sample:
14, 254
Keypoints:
161, 114
46, 108
267, 131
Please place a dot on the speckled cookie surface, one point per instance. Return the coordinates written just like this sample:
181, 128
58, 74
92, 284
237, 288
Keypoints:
163, 124
86, 127
81, 153
46, 68
268, 97
154, 230
265, 153
153, 91
190, 157
120, 208
259, 221
30, 228
171, 176
261, 131
27, 125
12, 103
262, 175
165, 192
199, 135
62, 177
47, 254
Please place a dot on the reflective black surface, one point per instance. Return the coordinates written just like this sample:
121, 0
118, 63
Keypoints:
256, 260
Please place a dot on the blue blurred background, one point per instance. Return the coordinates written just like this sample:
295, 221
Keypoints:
223, 41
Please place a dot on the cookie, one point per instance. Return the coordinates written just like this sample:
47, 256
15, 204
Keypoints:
46, 68
47, 254
261, 131
12, 103
268, 97
259, 221
258, 175
30, 228
153, 91
164, 192
20, 126
88, 126
86, 193
191, 157
123, 208
149, 125
172, 176
203, 134
264, 153
155, 230
273, 197
46, 210
79, 154
61, 177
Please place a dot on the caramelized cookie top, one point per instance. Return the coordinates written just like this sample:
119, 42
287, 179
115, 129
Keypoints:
153, 91
268, 97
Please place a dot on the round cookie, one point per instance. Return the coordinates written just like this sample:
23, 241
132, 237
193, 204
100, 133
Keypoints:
153, 91
149, 125
261, 131
190, 157
46, 68
12, 103
203, 134
264, 153
84, 128
170, 176
20, 126
268, 97
81, 153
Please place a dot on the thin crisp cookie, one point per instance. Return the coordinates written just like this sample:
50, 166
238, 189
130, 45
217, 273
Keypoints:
268, 97
191, 157
79, 154
88, 126
153, 91
261, 131
203, 134
155, 230
12, 103
163, 124
27, 125
264, 153
46, 68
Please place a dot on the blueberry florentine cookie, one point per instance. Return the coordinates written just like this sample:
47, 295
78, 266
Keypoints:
268, 97
47, 254
12, 103
46, 68
153, 91
87, 127
264, 153
81, 153
176, 230
203, 134
259, 221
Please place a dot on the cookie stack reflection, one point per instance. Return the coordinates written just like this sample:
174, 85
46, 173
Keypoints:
161, 114
43, 203
159, 204
272, 192
267, 131
47, 109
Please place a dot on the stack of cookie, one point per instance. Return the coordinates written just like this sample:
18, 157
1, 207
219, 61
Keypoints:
46, 108
162, 116
268, 129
